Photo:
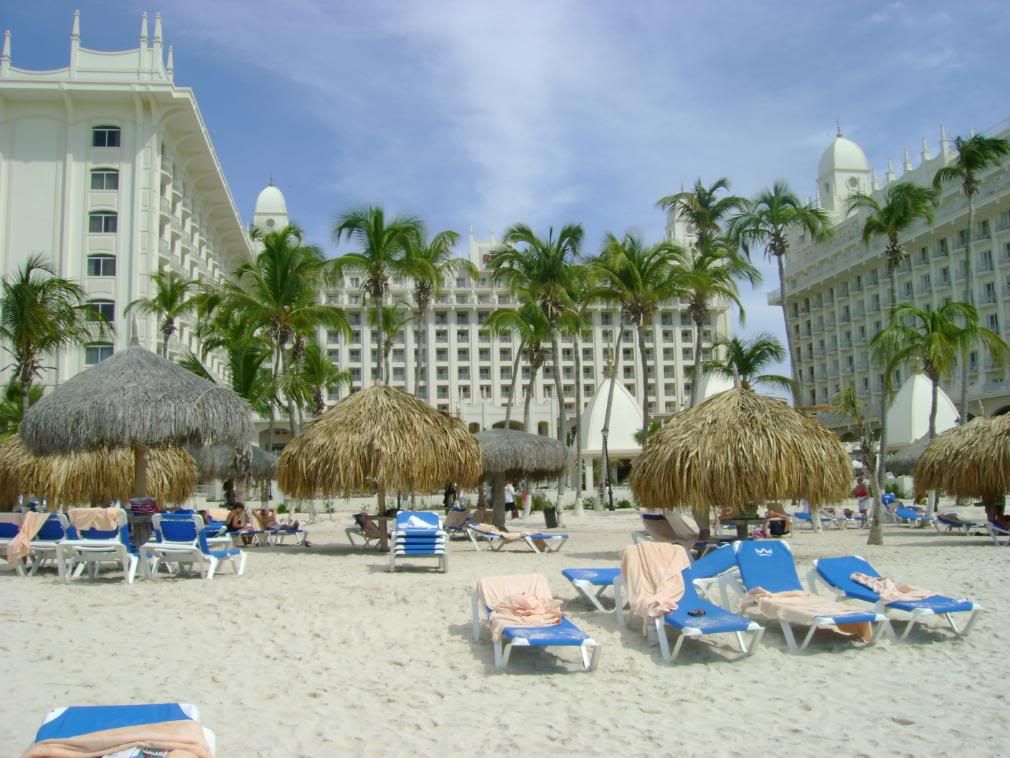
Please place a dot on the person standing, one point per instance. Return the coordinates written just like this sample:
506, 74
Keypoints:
862, 495
510, 499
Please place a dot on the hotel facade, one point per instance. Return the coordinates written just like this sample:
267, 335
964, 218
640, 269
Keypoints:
837, 290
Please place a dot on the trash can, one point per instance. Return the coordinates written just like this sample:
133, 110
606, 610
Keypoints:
551, 517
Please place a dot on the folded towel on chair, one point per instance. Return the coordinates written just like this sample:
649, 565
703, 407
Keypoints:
889, 590
102, 519
654, 575
799, 607
20, 546
176, 739
521, 600
495, 531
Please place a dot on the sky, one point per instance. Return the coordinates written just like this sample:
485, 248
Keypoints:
485, 114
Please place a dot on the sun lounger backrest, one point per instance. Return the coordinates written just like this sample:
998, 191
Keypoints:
82, 719
493, 589
767, 564
457, 517
658, 527
10, 525
54, 529
179, 529
417, 520
715, 562
838, 573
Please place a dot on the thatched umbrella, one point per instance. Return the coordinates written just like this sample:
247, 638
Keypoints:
135, 399
903, 462
968, 461
222, 462
100, 475
510, 454
380, 437
736, 448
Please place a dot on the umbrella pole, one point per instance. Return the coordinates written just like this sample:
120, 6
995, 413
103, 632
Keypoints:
498, 500
139, 471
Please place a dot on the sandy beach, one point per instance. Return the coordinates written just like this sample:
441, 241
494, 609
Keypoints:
321, 652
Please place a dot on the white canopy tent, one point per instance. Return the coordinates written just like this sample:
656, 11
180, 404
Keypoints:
625, 421
908, 415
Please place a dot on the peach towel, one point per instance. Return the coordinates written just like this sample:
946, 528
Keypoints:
179, 739
102, 519
20, 546
10, 518
654, 575
890, 590
493, 530
218, 514
523, 600
800, 607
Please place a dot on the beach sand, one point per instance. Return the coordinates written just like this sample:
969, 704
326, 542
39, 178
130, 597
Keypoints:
321, 652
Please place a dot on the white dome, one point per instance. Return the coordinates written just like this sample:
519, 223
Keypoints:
842, 155
271, 202
625, 421
908, 415
713, 384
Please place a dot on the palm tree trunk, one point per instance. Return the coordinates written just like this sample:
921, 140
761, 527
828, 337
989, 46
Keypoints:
968, 287
562, 420
645, 377
419, 357
166, 333
378, 343
512, 386
26, 389
797, 393
933, 403
386, 362
291, 403
697, 373
876, 535
605, 432
578, 426
529, 398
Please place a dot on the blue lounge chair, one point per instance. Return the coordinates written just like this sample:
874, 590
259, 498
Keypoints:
950, 522
769, 565
694, 616
997, 530
90, 548
911, 516
836, 575
418, 534
10, 525
591, 583
565, 634
44, 548
184, 542
552, 541
79, 720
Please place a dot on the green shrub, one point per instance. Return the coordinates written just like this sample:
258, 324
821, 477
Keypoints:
282, 508
896, 489
590, 503
624, 503
539, 502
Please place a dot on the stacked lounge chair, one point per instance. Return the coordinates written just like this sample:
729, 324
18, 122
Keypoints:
418, 534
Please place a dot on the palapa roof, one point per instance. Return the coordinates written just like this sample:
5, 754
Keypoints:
903, 462
381, 436
968, 461
218, 462
133, 398
519, 455
100, 475
740, 447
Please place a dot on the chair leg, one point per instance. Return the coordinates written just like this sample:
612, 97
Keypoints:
971, 622
211, 567
787, 632
664, 643
475, 628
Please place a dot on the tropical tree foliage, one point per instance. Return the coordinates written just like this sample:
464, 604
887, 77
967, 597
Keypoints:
171, 299
850, 406
12, 408
746, 360
704, 209
394, 319
534, 331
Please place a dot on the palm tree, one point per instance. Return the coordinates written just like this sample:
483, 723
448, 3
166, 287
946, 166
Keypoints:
317, 376
746, 359
930, 340
431, 264
581, 295
710, 272
385, 250
769, 218
903, 204
394, 319
170, 301
12, 407
702, 208
42, 313
533, 328
542, 268
974, 155
849, 405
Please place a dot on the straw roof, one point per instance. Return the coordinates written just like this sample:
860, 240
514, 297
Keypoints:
903, 462
135, 398
519, 455
219, 462
101, 475
968, 461
739, 447
383, 437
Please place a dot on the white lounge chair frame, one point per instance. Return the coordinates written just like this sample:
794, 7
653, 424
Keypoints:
552, 544
41, 552
74, 556
185, 554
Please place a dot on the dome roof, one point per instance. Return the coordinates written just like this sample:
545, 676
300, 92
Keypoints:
625, 421
908, 415
271, 202
842, 155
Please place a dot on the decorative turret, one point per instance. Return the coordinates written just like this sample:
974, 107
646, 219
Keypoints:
842, 171
156, 63
170, 68
75, 43
944, 143
889, 177
5, 57
143, 31
906, 166
925, 151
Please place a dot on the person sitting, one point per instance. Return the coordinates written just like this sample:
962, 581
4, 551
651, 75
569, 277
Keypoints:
238, 521
995, 514
776, 524
268, 521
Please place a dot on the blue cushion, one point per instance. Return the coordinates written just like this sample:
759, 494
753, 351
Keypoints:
715, 562
224, 553
565, 633
84, 719
715, 621
601, 577
767, 564
936, 603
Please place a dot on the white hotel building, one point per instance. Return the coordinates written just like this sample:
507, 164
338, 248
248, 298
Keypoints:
837, 290
107, 171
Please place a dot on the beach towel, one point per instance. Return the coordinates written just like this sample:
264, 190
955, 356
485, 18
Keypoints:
218, 514
20, 546
799, 607
889, 590
523, 600
102, 519
654, 575
492, 529
415, 522
175, 739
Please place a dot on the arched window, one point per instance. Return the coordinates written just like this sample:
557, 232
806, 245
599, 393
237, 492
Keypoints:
104, 308
97, 352
101, 265
105, 179
105, 136
103, 222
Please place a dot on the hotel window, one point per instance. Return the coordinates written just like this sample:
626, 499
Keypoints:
962, 238
105, 136
102, 222
104, 308
105, 179
484, 355
685, 335
354, 356
990, 293
945, 275
463, 354
398, 356
587, 353
924, 255
333, 337
629, 372
627, 354
925, 283
505, 372
972, 360
462, 335
605, 319
859, 283
462, 319
96, 353
399, 374
666, 319
908, 289
442, 355
875, 277
354, 282
941, 247
1006, 251
101, 265
505, 355
994, 323
485, 372
985, 262
628, 336
463, 372
333, 355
